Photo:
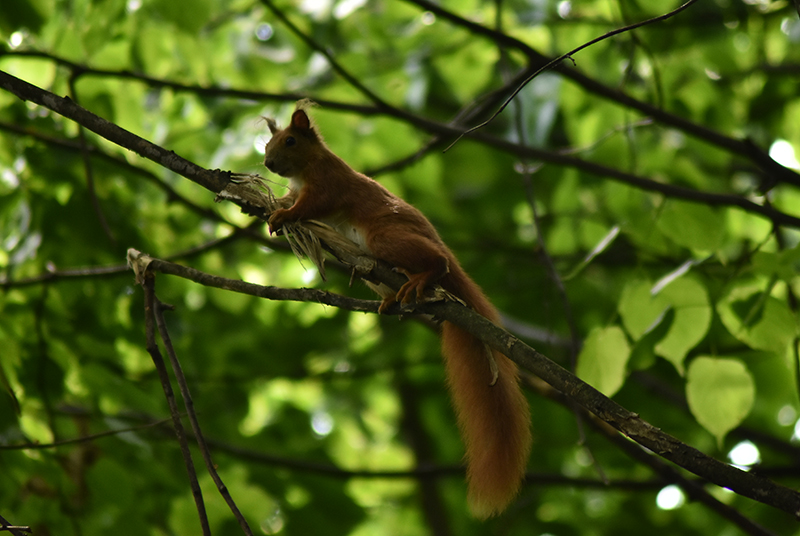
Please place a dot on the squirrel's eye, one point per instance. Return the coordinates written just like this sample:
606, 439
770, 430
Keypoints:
290, 141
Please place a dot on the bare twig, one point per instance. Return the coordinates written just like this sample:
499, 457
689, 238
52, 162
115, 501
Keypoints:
16, 530
211, 180
189, 404
54, 275
735, 146
335, 65
568, 55
217, 180
83, 439
93, 151
150, 305
89, 171
310, 295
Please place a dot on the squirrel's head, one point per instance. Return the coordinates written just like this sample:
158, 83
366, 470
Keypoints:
290, 149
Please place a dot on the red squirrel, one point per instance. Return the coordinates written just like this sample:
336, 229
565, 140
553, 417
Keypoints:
493, 416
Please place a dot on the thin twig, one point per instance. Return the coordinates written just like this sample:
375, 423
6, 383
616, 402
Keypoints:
569, 55
54, 275
739, 147
89, 171
335, 65
94, 151
212, 180
15, 530
217, 180
189, 404
150, 305
83, 439
310, 295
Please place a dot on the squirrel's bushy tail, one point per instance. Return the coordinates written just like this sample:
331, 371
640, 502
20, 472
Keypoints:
494, 419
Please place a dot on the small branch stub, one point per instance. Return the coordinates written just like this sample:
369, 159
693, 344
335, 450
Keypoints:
138, 262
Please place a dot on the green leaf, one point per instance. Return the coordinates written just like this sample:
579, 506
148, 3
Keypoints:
685, 297
188, 20
603, 359
692, 225
690, 324
761, 321
784, 264
720, 392
639, 309
196, 77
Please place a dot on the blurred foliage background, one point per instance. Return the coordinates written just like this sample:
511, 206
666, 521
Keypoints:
680, 303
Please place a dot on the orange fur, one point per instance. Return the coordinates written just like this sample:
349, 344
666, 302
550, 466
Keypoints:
493, 419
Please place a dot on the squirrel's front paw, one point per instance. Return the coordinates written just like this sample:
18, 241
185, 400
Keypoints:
277, 219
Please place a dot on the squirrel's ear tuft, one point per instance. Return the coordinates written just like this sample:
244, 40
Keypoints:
304, 104
273, 126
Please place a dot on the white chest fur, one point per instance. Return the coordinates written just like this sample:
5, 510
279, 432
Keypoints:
347, 230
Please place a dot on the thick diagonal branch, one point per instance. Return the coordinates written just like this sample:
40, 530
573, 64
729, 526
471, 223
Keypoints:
628, 423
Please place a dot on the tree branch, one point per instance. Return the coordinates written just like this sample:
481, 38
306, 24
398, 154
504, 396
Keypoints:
15, 530
70, 145
82, 439
189, 404
667, 473
630, 424
552, 63
537, 60
150, 305
668, 447
217, 180
54, 274
211, 180
89, 172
